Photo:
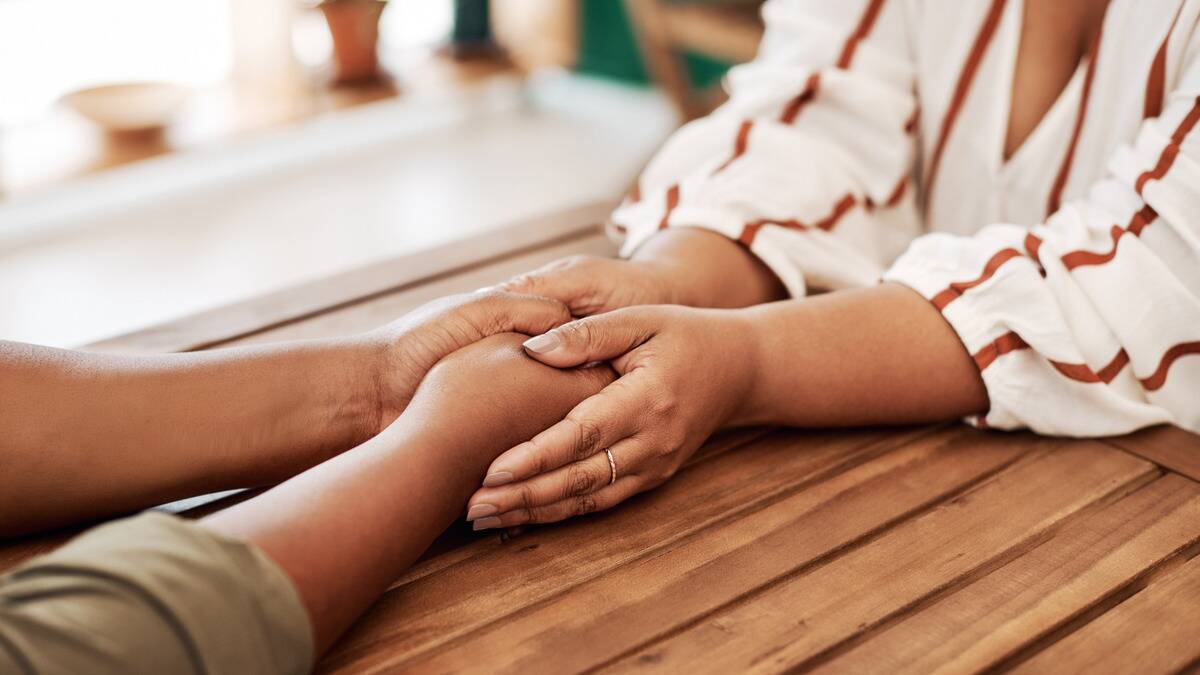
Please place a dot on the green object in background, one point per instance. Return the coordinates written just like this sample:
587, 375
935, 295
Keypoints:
705, 70
608, 48
472, 22
606, 43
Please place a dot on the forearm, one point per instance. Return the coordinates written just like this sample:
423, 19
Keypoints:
344, 530
705, 269
162, 427
882, 355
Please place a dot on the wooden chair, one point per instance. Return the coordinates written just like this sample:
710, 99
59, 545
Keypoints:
727, 30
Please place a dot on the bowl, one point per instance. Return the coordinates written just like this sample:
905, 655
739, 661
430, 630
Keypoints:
128, 106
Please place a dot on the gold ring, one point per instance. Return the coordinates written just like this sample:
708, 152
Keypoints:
612, 467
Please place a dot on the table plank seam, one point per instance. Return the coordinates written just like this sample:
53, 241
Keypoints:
828, 556
866, 453
1014, 551
1170, 447
864, 631
1105, 604
484, 544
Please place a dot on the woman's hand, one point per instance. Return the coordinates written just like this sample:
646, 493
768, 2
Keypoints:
590, 285
684, 373
678, 266
410, 346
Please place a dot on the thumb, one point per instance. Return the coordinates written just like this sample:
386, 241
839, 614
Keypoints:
559, 283
571, 281
596, 338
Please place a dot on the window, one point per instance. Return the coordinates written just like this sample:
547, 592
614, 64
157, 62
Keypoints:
49, 47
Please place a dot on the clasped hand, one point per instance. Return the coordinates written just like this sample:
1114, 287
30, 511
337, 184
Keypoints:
683, 373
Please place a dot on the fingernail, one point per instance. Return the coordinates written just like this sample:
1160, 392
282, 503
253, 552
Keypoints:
484, 289
481, 510
485, 523
546, 342
498, 478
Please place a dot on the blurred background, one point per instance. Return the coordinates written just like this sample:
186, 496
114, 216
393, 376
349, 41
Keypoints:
162, 157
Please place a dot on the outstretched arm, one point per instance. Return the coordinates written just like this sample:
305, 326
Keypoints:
344, 530
269, 584
158, 428
94, 434
680, 266
874, 356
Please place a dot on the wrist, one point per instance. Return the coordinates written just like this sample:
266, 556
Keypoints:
745, 347
702, 268
668, 281
296, 404
368, 395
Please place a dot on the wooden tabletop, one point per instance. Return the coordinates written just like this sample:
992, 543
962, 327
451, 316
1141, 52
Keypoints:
896, 550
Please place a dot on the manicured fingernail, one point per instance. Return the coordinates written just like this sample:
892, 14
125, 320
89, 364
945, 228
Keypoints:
481, 510
547, 342
498, 478
485, 524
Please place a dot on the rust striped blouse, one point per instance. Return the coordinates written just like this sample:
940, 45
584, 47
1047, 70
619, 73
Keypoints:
865, 142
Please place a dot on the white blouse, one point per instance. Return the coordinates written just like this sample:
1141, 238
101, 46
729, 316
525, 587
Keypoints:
865, 142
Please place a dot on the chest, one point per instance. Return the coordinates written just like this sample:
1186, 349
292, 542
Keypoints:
1055, 36
1023, 103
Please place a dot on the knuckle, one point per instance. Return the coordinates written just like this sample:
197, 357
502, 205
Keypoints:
584, 504
662, 474
487, 306
522, 283
665, 405
539, 462
579, 332
580, 480
525, 499
674, 444
589, 436
489, 297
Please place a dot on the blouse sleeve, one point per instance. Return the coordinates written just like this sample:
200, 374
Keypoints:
1088, 324
807, 164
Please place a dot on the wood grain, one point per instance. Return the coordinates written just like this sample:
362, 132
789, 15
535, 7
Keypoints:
1086, 566
1154, 631
895, 550
641, 601
459, 543
549, 561
1165, 445
785, 625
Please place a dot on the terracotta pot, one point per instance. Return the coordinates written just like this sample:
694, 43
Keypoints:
354, 26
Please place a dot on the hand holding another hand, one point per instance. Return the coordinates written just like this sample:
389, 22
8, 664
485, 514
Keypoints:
590, 285
684, 373
410, 346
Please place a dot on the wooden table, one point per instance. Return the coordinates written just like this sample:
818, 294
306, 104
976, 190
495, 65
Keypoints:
887, 550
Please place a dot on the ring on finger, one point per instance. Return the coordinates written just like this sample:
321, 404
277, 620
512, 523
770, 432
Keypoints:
612, 467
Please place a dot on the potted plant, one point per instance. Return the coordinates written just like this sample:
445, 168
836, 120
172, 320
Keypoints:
354, 27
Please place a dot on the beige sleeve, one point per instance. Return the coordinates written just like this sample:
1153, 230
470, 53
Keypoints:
152, 594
